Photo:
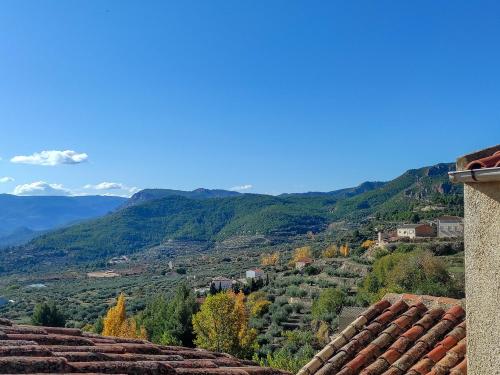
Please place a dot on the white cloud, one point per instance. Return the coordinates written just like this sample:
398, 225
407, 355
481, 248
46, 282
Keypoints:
241, 187
105, 186
6, 179
125, 191
51, 158
41, 188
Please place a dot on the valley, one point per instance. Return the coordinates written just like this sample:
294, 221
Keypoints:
159, 240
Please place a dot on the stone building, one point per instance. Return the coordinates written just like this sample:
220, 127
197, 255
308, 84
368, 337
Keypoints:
450, 226
222, 283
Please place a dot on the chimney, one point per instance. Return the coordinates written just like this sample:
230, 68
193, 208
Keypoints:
480, 174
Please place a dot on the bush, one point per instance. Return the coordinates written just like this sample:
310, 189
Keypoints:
328, 304
416, 272
47, 314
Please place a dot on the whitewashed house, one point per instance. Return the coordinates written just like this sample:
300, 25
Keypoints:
255, 273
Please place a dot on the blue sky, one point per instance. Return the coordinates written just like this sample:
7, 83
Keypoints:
284, 96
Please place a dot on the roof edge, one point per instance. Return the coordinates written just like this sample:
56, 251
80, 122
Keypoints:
429, 301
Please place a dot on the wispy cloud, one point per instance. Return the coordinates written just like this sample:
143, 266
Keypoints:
241, 187
51, 158
6, 179
41, 188
104, 186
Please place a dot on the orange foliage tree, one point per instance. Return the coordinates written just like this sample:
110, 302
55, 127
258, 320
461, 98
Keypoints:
367, 244
344, 250
117, 324
302, 252
270, 259
331, 251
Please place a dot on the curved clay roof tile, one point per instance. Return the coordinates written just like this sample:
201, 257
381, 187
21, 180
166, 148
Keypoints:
487, 162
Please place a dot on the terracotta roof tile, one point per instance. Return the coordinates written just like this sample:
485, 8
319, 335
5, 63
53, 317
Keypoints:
410, 335
28, 349
487, 162
460, 369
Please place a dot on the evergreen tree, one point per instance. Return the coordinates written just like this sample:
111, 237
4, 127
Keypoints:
213, 289
169, 322
47, 314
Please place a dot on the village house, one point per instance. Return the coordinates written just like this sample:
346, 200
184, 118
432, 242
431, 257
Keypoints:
450, 226
255, 273
415, 231
222, 283
303, 262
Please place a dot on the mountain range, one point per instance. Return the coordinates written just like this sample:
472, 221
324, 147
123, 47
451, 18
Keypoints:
156, 216
24, 217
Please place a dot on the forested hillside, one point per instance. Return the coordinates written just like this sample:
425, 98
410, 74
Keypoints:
425, 192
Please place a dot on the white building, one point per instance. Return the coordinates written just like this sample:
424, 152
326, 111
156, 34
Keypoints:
222, 283
450, 226
415, 230
256, 273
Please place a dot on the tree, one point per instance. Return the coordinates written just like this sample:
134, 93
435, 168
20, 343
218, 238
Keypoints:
257, 303
294, 352
213, 289
222, 325
344, 250
302, 252
415, 218
270, 259
169, 322
416, 272
367, 244
328, 305
47, 314
117, 324
331, 251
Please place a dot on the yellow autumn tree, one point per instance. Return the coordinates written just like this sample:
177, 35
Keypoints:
344, 250
117, 324
270, 259
222, 325
258, 303
302, 252
331, 251
367, 244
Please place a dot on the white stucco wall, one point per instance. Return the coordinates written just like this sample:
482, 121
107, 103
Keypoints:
482, 276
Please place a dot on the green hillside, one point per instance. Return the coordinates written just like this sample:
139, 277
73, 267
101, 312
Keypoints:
153, 194
425, 191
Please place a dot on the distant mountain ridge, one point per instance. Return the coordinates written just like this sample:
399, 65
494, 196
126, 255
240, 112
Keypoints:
22, 217
158, 216
343, 193
200, 193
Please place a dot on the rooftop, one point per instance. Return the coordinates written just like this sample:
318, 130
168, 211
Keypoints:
30, 349
220, 278
455, 219
400, 335
411, 225
480, 166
